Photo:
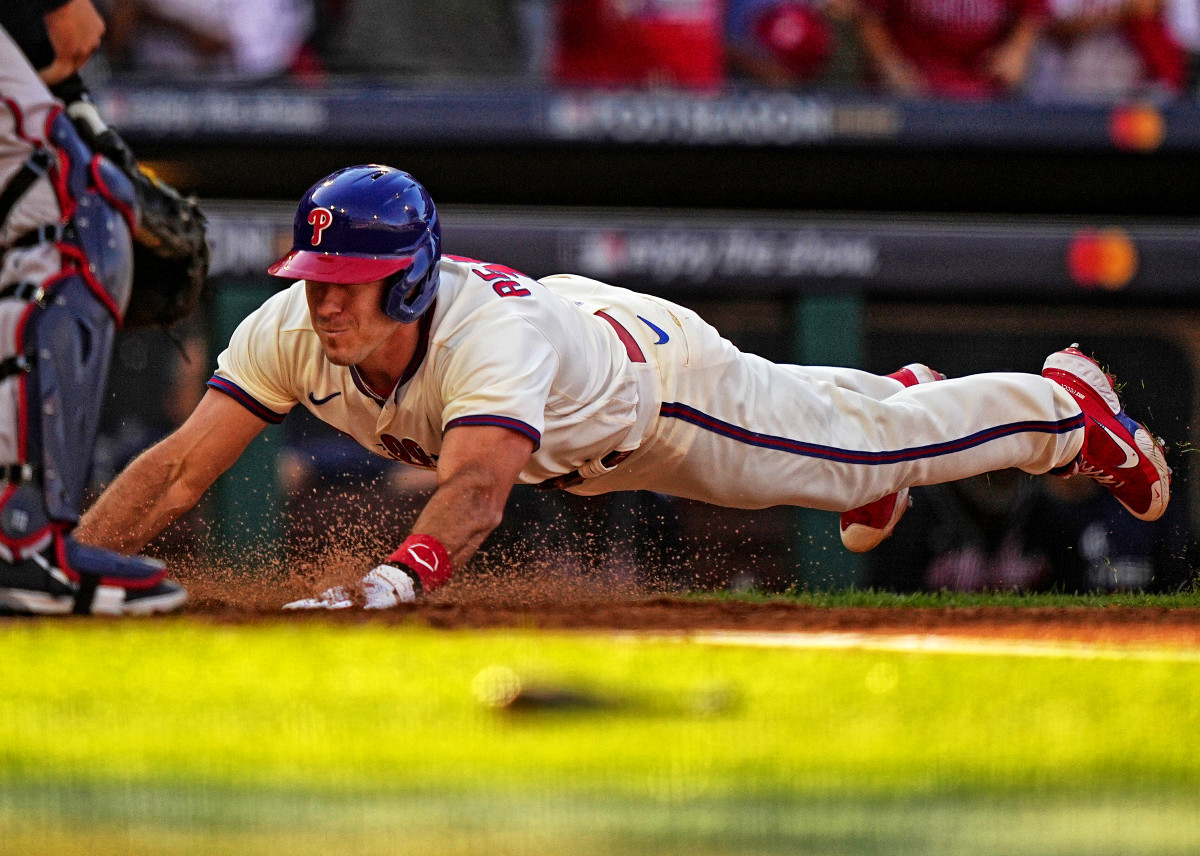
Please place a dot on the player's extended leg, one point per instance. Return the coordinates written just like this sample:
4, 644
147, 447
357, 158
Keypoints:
1118, 452
737, 430
63, 283
837, 450
750, 433
864, 528
867, 526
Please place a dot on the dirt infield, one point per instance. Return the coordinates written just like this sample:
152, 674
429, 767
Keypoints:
569, 604
1108, 625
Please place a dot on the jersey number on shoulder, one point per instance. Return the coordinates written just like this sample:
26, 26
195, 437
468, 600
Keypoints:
503, 278
502, 281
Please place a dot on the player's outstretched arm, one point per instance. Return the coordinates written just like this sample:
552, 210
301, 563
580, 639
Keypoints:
476, 471
170, 477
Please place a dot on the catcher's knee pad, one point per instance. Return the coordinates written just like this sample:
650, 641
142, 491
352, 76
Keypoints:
100, 204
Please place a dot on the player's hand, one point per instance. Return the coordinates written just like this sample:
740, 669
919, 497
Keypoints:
332, 598
170, 245
384, 587
75, 30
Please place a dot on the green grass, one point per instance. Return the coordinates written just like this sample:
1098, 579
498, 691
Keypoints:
129, 823
169, 736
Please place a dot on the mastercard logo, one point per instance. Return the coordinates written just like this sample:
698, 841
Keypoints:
1136, 127
1102, 258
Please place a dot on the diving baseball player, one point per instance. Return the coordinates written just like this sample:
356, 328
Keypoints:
474, 370
69, 221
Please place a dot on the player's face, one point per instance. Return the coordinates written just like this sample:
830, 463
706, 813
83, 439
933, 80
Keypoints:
348, 319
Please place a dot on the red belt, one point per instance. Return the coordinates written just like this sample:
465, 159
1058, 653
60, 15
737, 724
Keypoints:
630, 343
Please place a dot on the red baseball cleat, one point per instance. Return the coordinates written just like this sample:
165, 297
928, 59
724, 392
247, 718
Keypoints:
865, 527
1117, 452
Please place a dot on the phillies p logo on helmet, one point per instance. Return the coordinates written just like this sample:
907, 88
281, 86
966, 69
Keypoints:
319, 219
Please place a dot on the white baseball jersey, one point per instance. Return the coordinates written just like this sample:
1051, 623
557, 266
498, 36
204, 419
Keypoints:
585, 369
497, 348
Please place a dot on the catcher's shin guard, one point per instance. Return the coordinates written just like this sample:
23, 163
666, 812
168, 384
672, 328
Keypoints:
60, 365
67, 346
74, 278
63, 287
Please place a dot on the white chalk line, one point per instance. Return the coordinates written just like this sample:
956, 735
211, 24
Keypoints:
935, 644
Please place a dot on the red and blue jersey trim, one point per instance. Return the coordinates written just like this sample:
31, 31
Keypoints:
414, 363
676, 410
362, 387
502, 422
245, 399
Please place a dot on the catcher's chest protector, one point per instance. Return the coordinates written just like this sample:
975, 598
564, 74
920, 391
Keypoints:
63, 288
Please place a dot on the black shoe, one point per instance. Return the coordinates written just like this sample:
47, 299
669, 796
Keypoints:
69, 577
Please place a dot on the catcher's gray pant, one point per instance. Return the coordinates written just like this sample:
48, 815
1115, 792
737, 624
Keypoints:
28, 107
65, 277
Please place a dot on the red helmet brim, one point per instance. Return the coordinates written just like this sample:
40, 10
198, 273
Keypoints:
342, 269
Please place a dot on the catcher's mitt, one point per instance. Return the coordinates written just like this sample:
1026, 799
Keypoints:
170, 252
170, 255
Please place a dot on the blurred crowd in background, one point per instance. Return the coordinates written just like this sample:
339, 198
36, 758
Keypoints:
1046, 50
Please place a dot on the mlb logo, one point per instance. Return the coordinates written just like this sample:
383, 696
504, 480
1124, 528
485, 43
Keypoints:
603, 253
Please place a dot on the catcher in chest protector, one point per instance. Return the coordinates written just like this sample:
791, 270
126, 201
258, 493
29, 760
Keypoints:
489, 377
89, 242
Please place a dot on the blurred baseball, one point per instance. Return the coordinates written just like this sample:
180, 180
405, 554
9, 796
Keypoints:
496, 686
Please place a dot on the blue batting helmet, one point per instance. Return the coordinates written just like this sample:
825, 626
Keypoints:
365, 223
